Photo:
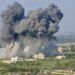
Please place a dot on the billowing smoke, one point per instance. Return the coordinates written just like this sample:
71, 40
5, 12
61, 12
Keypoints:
25, 35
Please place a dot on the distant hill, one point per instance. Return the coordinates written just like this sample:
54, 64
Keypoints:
66, 38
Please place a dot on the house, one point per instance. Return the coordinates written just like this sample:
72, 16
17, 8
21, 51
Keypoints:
15, 59
60, 57
60, 50
38, 56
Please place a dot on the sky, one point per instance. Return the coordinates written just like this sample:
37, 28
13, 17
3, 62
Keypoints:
67, 24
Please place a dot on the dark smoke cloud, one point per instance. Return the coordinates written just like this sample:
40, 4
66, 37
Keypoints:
41, 22
33, 32
10, 17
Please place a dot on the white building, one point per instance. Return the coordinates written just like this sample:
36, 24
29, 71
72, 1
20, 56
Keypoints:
60, 57
60, 50
15, 59
39, 56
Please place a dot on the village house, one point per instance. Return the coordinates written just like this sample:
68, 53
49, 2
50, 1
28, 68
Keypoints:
15, 59
60, 50
38, 56
60, 57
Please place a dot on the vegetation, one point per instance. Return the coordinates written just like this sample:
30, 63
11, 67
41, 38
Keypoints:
34, 67
37, 67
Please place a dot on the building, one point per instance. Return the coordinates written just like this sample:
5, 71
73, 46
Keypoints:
39, 56
60, 50
15, 59
60, 57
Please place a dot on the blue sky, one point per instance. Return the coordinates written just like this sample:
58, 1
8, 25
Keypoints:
67, 24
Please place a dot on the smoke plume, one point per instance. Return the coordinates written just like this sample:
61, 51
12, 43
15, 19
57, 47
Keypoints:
24, 35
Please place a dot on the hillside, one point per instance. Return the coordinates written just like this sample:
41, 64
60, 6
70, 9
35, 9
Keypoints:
66, 38
39, 67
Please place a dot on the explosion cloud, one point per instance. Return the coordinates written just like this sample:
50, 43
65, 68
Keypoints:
30, 34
